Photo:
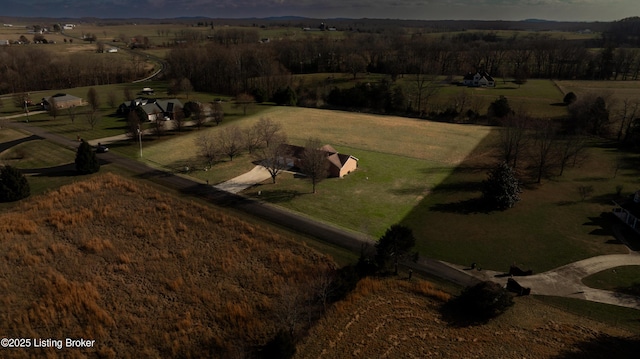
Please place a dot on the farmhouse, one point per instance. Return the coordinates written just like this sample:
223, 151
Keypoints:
338, 164
479, 79
161, 109
628, 210
61, 101
4, 42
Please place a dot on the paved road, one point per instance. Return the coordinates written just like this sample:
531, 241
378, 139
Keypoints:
341, 237
563, 281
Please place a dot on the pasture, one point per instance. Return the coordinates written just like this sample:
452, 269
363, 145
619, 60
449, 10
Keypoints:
400, 161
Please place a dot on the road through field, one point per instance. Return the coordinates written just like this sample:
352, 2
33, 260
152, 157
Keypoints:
564, 281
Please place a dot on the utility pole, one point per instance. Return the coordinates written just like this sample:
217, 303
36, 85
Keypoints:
140, 140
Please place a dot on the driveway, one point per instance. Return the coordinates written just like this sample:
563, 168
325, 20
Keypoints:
566, 281
235, 185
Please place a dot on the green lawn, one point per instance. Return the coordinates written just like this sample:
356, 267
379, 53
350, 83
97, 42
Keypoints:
400, 161
551, 225
624, 279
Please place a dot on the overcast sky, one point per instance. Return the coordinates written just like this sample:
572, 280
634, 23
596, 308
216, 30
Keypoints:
569, 10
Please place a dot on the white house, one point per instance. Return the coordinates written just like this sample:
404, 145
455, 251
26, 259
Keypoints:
68, 26
479, 79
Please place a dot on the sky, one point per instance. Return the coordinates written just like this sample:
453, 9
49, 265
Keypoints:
560, 10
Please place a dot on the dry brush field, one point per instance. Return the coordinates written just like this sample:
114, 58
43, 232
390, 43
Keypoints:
145, 275
393, 318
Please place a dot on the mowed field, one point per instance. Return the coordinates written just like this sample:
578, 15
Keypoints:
400, 161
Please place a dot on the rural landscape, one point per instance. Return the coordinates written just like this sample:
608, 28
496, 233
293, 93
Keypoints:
293, 187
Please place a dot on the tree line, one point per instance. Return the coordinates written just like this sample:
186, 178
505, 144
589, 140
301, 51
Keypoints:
27, 68
231, 65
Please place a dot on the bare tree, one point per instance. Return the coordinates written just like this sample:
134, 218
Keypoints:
53, 107
273, 158
230, 141
127, 94
158, 123
266, 130
92, 118
244, 100
314, 162
625, 116
198, 115
111, 99
71, 110
542, 150
252, 140
207, 148
513, 138
93, 99
178, 118
570, 150
218, 113
133, 124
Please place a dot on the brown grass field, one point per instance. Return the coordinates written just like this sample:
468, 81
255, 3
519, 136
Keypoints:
394, 318
145, 275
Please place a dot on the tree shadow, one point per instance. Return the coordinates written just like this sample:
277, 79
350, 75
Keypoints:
603, 346
469, 206
277, 196
468, 186
7, 145
66, 170
604, 222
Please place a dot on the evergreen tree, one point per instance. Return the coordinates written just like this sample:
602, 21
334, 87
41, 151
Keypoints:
13, 185
483, 301
395, 246
502, 189
86, 160
499, 108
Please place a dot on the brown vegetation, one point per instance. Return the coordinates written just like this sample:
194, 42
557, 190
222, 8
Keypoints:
394, 318
146, 275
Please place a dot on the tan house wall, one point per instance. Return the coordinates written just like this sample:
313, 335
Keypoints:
349, 167
69, 103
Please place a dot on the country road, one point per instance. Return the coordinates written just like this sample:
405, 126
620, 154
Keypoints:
350, 240
555, 282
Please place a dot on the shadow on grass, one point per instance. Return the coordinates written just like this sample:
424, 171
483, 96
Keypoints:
67, 170
604, 222
469, 206
7, 145
468, 186
277, 196
603, 346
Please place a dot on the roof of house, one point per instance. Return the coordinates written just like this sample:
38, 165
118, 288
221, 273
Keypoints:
335, 158
63, 97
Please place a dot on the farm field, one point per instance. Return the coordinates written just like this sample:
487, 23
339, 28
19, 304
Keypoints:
141, 273
391, 318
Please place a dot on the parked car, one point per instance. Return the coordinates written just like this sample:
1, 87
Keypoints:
102, 148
